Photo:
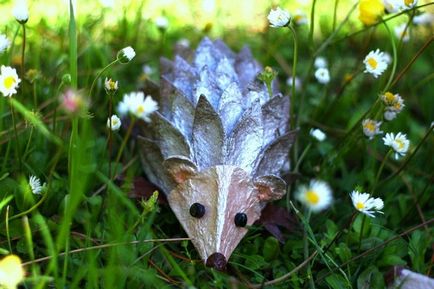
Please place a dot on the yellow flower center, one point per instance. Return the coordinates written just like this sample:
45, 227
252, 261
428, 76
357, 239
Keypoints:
400, 144
372, 62
312, 197
397, 106
9, 82
370, 125
298, 18
140, 109
360, 206
390, 97
408, 2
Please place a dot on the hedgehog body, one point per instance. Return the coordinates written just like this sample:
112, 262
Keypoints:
220, 141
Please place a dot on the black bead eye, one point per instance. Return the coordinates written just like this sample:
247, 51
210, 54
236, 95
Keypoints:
197, 210
240, 220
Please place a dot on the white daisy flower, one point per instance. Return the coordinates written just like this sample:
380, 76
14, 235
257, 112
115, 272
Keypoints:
389, 115
35, 185
320, 62
115, 122
147, 69
162, 23
375, 63
20, 11
387, 57
278, 17
297, 82
322, 75
398, 143
365, 204
408, 4
110, 85
107, 3
402, 32
136, 104
390, 99
183, 42
300, 17
4, 43
317, 134
392, 6
126, 54
317, 196
371, 128
425, 18
9, 81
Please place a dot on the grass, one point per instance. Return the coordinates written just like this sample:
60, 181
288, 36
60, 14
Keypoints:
92, 229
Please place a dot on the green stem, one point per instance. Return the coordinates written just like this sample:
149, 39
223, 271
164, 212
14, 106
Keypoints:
312, 22
292, 97
303, 154
395, 58
99, 75
361, 232
110, 136
306, 252
124, 142
8, 236
23, 51
335, 14
17, 146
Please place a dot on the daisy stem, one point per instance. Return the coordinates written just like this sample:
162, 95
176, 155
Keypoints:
100, 73
110, 145
23, 50
8, 236
17, 146
294, 71
395, 58
361, 232
124, 142
312, 23
303, 154
306, 251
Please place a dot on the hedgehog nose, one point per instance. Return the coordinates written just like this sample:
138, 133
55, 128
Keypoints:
217, 261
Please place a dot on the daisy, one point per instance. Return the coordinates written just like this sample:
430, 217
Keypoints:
162, 23
297, 82
9, 80
147, 69
278, 17
136, 104
402, 32
126, 54
392, 6
375, 63
398, 143
365, 204
425, 18
389, 98
35, 185
20, 11
114, 122
300, 18
371, 128
11, 272
110, 85
389, 115
317, 134
322, 75
4, 43
408, 4
320, 62
317, 196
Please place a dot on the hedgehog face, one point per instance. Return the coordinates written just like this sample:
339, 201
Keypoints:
215, 206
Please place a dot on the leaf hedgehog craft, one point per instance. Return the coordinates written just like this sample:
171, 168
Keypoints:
217, 146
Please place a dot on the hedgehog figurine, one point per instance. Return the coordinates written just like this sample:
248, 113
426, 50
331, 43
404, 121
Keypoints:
217, 146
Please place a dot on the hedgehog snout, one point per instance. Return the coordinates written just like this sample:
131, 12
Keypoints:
217, 261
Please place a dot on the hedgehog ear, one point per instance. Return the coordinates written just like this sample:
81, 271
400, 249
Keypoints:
180, 168
270, 188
